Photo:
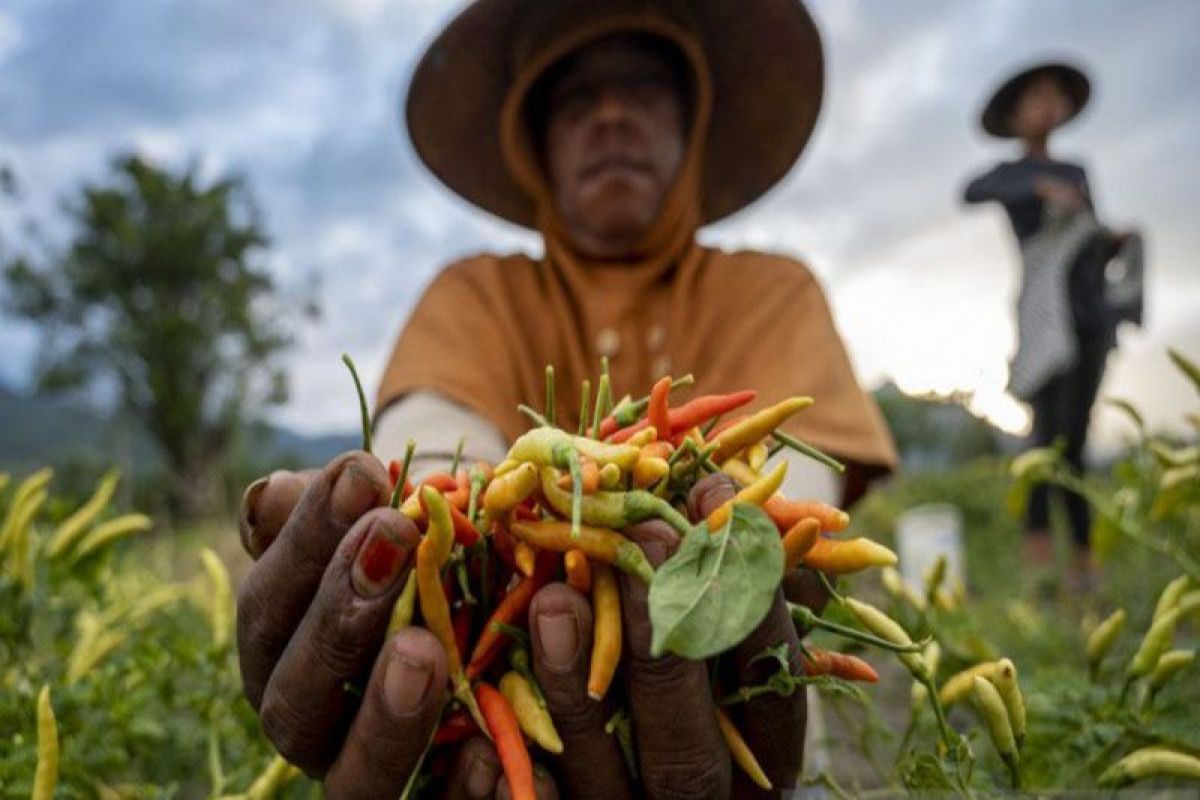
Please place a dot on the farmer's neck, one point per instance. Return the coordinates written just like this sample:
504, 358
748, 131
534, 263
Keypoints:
1037, 146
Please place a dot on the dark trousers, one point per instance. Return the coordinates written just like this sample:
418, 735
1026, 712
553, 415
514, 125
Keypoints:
1061, 410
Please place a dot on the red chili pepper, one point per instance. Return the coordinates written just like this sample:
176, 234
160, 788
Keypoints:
464, 532
840, 665
491, 642
442, 481
395, 467
456, 727
692, 414
462, 627
510, 742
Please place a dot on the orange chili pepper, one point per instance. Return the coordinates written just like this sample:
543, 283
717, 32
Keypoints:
492, 641
787, 513
659, 410
839, 665
579, 570
691, 414
525, 556
841, 557
798, 541
442, 481
505, 730
590, 472
606, 630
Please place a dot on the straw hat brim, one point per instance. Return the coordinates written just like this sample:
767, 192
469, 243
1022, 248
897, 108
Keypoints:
995, 116
767, 71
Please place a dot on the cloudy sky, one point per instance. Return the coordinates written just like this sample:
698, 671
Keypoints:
302, 97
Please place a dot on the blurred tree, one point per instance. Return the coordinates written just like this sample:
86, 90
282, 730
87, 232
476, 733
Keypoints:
160, 303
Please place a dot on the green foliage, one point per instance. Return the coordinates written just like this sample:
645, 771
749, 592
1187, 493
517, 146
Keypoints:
709, 596
159, 297
146, 692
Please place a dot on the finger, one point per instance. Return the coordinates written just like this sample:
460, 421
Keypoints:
680, 749
543, 785
266, 506
804, 587
400, 708
306, 708
560, 625
475, 772
710, 492
772, 726
276, 593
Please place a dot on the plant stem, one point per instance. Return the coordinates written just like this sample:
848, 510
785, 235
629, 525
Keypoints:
807, 449
806, 618
534, 416
583, 407
363, 412
398, 489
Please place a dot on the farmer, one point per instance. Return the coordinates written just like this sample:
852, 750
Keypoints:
1067, 312
615, 130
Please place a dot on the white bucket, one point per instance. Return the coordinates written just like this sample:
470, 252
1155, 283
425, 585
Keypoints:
923, 533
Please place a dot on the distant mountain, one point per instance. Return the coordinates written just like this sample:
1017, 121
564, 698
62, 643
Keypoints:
37, 430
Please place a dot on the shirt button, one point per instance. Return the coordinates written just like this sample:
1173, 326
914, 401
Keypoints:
656, 336
608, 342
660, 367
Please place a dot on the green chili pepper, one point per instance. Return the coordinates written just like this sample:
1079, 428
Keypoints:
614, 510
1170, 665
1151, 762
1005, 680
889, 630
1171, 594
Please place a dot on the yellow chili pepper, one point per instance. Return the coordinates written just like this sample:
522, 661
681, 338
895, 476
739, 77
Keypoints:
221, 597
507, 490
549, 447
756, 456
756, 493
1156, 642
959, 685
610, 477
995, 717
72, 527
579, 570
756, 427
110, 531
436, 611
889, 630
616, 510
94, 643
898, 588
844, 556
441, 525
533, 718
45, 777
798, 541
1171, 594
1151, 762
740, 751
740, 471
272, 779
599, 544
649, 470
402, 611
1101, 639
1171, 664
1005, 681
643, 437
29, 487
606, 630
932, 656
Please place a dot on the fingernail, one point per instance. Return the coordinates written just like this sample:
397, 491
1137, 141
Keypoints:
381, 558
481, 777
250, 516
406, 684
559, 635
354, 494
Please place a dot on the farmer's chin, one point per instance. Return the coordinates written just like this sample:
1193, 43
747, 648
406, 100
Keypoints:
622, 212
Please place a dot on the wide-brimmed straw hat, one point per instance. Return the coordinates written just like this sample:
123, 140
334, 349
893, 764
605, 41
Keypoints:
996, 114
766, 68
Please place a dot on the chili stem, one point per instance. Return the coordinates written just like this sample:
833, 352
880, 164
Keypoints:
550, 394
362, 402
583, 406
603, 390
808, 450
398, 490
805, 617
457, 455
512, 631
534, 416
829, 587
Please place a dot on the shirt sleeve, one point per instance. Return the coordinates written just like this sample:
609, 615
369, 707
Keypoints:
435, 424
1004, 183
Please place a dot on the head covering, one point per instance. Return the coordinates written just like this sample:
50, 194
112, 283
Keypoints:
765, 65
995, 116
486, 328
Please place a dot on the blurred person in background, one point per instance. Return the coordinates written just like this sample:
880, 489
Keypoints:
615, 130
1079, 280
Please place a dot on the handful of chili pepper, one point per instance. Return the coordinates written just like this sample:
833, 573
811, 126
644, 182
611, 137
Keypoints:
555, 509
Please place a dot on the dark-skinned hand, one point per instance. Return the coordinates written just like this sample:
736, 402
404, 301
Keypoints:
331, 558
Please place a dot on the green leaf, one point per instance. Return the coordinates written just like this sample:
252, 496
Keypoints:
717, 588
1187, 367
